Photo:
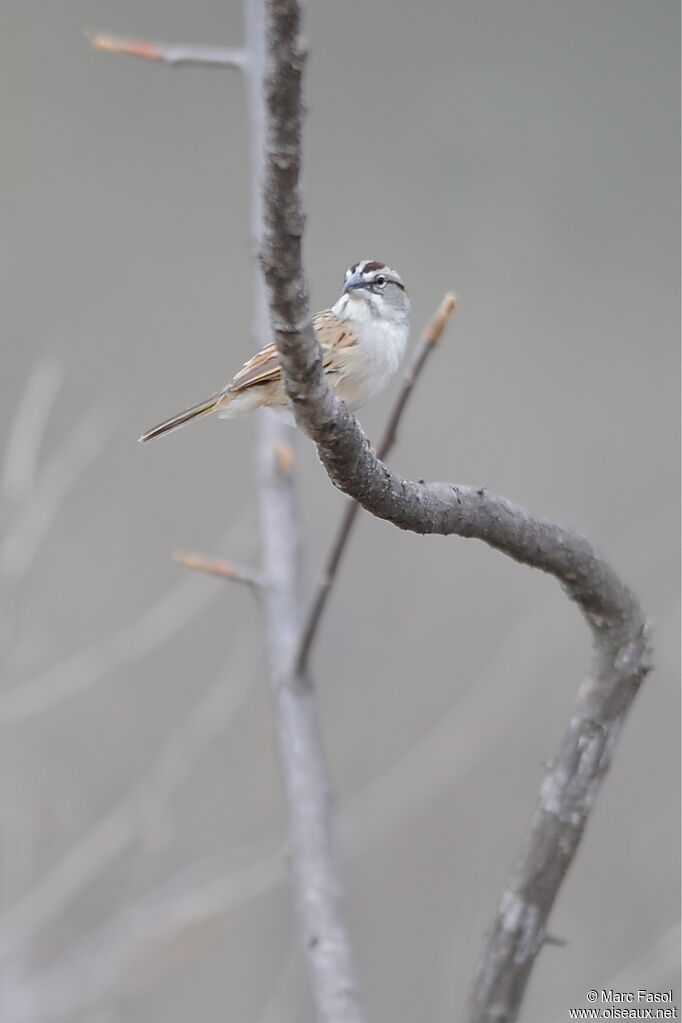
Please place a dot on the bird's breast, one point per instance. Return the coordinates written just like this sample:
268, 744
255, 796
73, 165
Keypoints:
373, 361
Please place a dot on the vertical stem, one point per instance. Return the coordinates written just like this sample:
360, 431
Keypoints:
280, 527
304, 772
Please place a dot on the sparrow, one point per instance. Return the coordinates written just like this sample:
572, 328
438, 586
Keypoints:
363, 338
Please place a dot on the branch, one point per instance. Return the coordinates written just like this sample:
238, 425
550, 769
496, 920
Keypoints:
316, 884
219, 568
164, 53
620, 631
429, 340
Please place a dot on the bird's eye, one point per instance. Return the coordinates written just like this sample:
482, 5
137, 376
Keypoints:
380, 281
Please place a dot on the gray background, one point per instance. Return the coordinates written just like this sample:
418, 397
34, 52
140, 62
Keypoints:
524, 154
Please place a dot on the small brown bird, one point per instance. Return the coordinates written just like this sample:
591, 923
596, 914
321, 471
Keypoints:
363, 338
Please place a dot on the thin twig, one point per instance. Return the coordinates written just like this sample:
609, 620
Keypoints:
428, 342
430, 338
175, 55
221, 569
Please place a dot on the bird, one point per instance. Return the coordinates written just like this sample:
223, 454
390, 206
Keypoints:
363, 338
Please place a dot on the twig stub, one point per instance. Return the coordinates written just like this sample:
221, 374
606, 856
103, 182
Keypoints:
174, 55
219, 568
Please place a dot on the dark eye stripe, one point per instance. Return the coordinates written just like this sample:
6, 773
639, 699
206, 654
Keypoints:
388, 280
373, 267
374, 286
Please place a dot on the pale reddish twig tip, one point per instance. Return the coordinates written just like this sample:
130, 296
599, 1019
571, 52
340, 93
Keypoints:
132, 47
439, 320
173, 54
218, 568
284, 457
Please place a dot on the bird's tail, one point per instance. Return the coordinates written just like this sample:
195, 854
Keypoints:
193, 412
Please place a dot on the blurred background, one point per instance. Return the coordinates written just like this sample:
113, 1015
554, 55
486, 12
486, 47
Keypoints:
521, 153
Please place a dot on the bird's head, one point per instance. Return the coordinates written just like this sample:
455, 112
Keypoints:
372, 289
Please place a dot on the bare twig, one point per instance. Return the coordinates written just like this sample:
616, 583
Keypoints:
324, 585
165, 53
429, 340
221, 569
620, 630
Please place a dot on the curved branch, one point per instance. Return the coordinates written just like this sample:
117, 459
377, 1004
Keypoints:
618, 624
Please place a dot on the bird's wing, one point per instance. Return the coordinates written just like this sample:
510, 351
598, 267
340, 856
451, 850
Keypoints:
262, 368
334, 335
331, 331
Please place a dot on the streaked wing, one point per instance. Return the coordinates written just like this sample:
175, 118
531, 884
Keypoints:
264, 366
331, 331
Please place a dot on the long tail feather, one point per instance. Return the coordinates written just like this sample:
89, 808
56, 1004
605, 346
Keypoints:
193, 412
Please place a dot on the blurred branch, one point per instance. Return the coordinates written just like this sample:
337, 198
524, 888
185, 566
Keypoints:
155, 625
159, 622
28, 428
221, 569
439, 761
37, 512
620, 631
164, 53
429, 340
146, 942
126, 822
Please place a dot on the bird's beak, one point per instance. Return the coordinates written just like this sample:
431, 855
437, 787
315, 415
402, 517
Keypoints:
355, 281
